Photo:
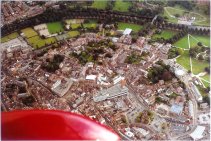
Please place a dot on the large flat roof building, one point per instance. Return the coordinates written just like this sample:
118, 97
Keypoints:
198, 133
112, 92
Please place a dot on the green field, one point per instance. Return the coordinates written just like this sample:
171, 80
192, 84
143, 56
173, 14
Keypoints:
122, 6
201, 19
55, 27
37, 42
91, 24
206, 77
29, 32
183, 43
99, 4
134, 27
166, 34
184, 60
206, 84
73, 33
204, 39
75, 26
198, 66
9, 37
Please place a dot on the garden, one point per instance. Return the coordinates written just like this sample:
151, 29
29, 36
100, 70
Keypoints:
9, 37
122, 6
134, 27
55, 27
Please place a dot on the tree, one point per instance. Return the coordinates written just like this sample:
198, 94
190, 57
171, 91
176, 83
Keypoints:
206, 99
207, 69
199, 44
201, 57
167, 76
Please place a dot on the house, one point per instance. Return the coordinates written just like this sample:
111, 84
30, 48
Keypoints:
127, 31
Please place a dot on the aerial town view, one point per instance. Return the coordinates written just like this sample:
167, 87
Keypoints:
140, 67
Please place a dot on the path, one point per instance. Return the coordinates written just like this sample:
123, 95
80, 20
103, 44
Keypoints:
191, 66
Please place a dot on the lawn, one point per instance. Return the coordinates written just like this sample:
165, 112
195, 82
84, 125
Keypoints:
166, 34
9, 37
29, 32
198, 66
134, 27
37, 42
55, 27
122, 6
184, 60
99, 4
75, 26
91, 24
206, 84
182, 43
206, 77
73, 33
204, 39
200, 18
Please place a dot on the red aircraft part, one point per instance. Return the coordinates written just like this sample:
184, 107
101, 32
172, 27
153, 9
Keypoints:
52, 125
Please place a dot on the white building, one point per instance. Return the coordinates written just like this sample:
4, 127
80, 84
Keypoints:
190, 106
195, 90
112, 92
127, 31
91, 77
129, 134
204, 118
198, 133
56, 84
117, 79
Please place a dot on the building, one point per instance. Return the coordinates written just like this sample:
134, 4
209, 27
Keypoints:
204, 118
198, 133
127, 31
112, 92
117, 79
176, 108
196, 92
91, 77
61, 88
190, 106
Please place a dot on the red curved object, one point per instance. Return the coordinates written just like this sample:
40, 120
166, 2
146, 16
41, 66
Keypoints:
52, 125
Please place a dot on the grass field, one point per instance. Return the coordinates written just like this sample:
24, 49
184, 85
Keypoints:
55, 27
90, 25
73, 33
9, 37
201, 19
75, 26
206, 77
166, 34
99, 4
206, 84
121, 5
184, 60
29, 32
198, 66
37, 42
204, 39
134, 27
183, 43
